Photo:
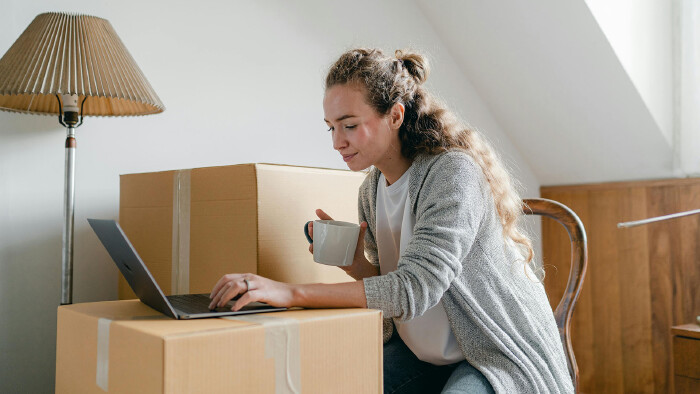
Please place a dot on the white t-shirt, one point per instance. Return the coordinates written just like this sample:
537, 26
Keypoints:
429, 336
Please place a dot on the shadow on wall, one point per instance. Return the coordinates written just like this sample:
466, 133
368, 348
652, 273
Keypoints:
30, 256
30, 293
15, 123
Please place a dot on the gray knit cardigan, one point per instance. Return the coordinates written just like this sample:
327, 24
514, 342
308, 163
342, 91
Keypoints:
500, 317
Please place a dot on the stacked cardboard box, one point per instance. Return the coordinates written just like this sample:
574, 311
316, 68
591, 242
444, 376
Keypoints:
127, 347
193, 226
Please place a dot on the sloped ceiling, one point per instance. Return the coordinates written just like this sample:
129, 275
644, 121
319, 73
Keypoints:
555, 85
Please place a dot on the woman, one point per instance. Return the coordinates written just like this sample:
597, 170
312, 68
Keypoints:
447, 264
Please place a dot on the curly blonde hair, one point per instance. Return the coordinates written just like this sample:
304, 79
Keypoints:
428, 126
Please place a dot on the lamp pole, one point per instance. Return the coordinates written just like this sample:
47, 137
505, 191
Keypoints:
69, 118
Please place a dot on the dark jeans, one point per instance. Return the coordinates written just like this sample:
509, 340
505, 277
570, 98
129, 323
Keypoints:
404, 373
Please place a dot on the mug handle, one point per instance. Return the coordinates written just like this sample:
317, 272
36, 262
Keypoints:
306, 232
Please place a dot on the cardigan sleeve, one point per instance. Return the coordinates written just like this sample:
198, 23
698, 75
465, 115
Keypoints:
449, 208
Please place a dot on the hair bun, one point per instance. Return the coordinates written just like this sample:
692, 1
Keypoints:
416, 65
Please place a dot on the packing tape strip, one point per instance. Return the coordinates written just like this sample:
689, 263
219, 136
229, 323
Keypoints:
181, 233
102, 370
102, 366
283, 345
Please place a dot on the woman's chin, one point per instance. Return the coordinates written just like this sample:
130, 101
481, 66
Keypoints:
357, 166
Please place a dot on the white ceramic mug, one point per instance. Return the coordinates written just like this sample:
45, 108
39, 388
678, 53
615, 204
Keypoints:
334, 241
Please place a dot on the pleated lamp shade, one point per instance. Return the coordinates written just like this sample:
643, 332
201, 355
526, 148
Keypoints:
62, 53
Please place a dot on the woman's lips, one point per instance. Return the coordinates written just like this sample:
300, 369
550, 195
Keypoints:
347, 158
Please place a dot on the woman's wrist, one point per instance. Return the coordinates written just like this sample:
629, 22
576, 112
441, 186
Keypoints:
361, 269
298, 295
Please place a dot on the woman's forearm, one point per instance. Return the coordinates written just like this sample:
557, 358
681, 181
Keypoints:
334, 295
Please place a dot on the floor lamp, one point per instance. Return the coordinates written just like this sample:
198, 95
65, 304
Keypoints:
72, 66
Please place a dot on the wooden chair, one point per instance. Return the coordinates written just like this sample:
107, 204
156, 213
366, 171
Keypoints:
579, 260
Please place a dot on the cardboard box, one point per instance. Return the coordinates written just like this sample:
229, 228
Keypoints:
127, 347
193, 226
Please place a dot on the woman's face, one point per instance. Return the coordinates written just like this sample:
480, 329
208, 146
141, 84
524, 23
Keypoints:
361, 135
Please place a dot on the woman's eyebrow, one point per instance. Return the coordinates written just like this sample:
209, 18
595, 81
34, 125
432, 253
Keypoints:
342, 118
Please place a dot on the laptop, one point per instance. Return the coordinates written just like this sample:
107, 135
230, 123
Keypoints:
187, 306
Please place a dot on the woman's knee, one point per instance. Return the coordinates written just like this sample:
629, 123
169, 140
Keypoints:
467, 379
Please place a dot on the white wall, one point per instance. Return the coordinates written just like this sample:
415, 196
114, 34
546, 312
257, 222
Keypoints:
640, 32
550, 77
687, 126
656, 42
242, 82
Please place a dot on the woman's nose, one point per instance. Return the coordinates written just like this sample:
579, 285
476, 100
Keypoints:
339, 141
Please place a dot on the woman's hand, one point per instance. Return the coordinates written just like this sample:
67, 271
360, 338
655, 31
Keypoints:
361, 267
252, 288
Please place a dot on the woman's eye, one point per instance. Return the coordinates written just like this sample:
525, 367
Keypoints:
330, 129
351, 126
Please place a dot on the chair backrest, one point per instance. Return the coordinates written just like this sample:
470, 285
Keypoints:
579, 260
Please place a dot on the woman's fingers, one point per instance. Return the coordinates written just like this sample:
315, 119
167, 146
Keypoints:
223, 281
322, 215
247, 298
360, 249
311, 234
361, 238
229, 287
217, 295
218, 285
363, 230
216, 301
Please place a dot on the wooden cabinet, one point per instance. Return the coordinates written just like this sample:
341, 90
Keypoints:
640, 281
686, 358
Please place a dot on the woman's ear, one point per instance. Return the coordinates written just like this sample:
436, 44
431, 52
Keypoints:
396, 116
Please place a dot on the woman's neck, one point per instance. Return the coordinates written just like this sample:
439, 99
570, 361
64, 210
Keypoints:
394, 168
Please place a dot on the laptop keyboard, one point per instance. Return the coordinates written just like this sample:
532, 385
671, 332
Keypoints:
194, 303
199, 303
